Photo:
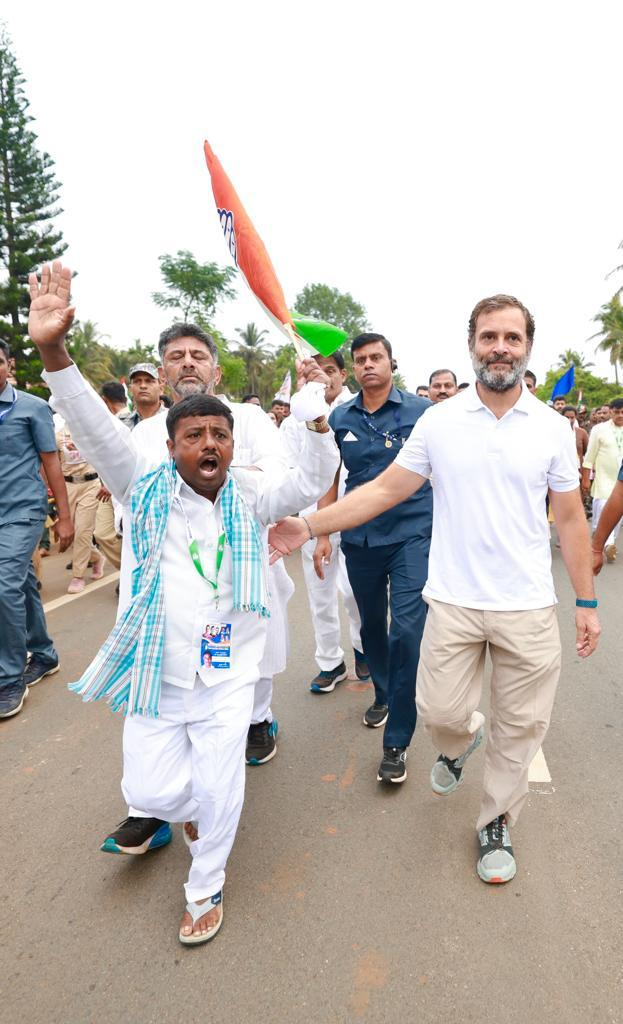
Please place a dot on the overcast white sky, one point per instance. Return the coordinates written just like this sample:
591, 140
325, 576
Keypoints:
420, 156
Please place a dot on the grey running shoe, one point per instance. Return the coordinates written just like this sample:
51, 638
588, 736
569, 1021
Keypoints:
496, 863
376, 716
447, 774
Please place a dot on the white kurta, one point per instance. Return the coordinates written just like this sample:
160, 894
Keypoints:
189, 762
257, 442
323, 594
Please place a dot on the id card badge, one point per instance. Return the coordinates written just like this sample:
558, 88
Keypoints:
216, 646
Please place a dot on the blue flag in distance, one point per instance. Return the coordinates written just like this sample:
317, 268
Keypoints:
564, 384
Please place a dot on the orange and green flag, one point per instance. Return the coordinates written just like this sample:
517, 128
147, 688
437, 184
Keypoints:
252, 260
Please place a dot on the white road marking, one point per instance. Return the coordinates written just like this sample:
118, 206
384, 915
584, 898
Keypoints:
66, 598
538, 770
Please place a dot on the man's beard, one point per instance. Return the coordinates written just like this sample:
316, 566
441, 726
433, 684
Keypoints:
499, 380
186, 387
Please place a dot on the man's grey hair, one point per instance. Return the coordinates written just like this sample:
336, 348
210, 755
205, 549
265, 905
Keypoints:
187, 331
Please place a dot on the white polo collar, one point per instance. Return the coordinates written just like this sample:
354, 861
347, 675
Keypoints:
473, 401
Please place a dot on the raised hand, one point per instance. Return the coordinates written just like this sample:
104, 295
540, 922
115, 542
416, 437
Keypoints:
50, 314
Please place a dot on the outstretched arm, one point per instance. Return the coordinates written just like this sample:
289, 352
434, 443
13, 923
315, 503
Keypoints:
610, 515
101, 437
394, 485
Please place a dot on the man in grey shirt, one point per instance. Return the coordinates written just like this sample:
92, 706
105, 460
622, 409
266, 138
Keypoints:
27, 441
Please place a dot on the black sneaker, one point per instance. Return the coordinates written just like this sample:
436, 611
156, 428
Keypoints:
496, 863
138, 835
376, 716
12, 699
362, 670
261, 742
326, 681
36, 670
393, 767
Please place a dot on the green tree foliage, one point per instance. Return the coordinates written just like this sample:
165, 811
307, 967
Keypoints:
595, 390
28, 189
571, 357
254, 352
123, 359
90, 353
98, 360
193, 289
610, 319
337, 308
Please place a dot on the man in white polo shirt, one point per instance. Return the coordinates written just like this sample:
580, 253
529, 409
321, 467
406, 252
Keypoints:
495, 452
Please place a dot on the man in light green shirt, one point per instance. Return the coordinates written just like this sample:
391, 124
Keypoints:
603, 457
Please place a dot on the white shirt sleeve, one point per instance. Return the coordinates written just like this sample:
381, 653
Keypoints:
273, 496
102, 438
562, 474
414, 454
292, 437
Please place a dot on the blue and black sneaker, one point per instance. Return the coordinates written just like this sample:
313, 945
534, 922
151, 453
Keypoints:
261, 742
138, 835
326, 681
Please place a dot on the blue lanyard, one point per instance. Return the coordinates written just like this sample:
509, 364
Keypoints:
3, 415
385, 434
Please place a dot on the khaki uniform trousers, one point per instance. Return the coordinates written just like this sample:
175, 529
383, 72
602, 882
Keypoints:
83, 504
106, 536
524, 648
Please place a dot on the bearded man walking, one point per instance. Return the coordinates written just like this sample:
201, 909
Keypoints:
495, 452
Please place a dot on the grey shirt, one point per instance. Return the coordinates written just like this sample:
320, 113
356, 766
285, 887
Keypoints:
26, 430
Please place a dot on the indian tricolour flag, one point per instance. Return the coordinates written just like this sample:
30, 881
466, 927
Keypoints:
252, 260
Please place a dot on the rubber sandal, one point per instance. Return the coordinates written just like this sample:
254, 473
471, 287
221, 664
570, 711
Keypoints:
197, 910
189, 842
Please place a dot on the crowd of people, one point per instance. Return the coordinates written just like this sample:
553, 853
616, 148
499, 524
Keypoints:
428, 512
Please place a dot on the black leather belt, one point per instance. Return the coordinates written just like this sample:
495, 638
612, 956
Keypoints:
81, 479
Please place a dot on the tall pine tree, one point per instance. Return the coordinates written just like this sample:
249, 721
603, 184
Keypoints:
28, 191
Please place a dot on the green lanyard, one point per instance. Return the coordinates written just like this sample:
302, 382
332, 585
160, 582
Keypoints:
193, 550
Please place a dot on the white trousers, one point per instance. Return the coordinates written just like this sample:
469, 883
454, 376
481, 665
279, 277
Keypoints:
598, 506
188, 764
277, 641
323, 604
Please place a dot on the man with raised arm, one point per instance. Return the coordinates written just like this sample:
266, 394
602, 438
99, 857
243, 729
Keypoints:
495, 451
194, 372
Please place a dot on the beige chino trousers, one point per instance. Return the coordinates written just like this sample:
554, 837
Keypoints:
106, 536
525, 653
83, 503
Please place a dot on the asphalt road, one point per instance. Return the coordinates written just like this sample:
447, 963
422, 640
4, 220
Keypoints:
344, 901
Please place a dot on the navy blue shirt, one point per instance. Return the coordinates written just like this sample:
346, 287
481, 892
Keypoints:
362, 439
26, 430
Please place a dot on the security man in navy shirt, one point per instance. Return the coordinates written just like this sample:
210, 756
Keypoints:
387, 558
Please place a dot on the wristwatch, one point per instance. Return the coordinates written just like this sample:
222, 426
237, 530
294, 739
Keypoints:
320, 426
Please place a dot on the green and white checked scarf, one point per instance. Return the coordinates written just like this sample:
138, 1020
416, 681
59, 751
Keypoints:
126, 671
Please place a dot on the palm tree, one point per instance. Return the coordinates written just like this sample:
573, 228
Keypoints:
610, 317
253, 351
90, 352
570, 357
